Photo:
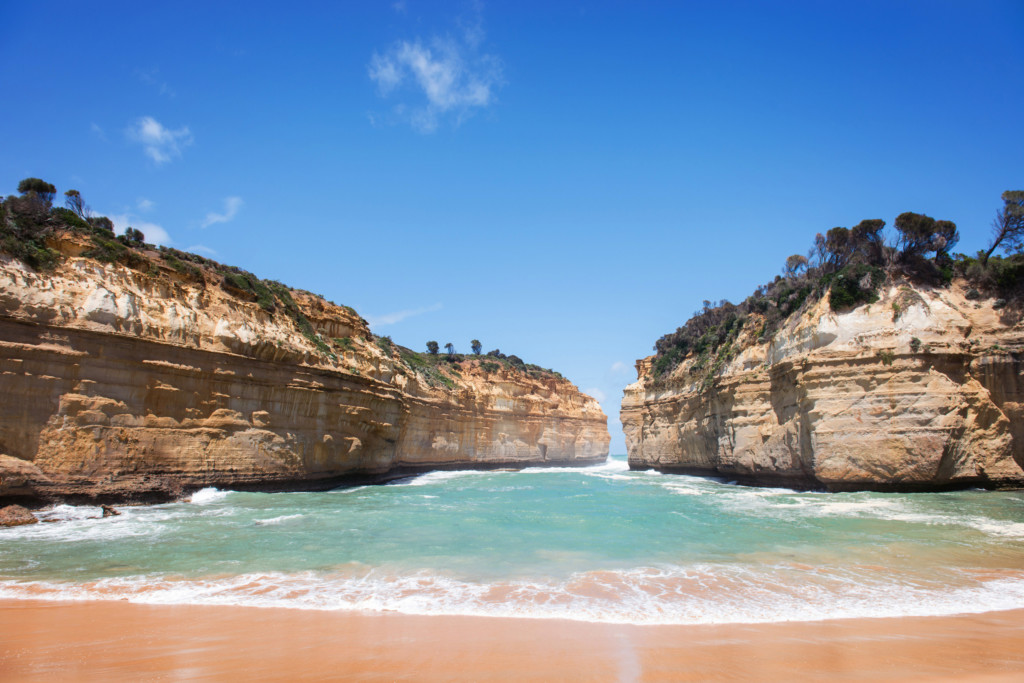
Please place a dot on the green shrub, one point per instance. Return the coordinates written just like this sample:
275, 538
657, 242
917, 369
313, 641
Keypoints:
35, 255
170, 257
70, 219
855, 285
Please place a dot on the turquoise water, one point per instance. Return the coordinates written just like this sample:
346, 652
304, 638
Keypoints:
597, 544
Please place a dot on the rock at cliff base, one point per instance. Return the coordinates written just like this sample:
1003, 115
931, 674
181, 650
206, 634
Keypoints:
109, 511
15, 515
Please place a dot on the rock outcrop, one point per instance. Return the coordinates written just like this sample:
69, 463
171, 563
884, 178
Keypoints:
922, 390
16, 515
124, 384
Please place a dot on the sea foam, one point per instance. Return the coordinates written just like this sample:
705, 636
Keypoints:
705, 594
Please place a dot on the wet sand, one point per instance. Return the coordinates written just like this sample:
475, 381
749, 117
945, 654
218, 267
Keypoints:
111, 641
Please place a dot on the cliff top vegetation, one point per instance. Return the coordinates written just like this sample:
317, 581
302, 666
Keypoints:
850, 266
32, 230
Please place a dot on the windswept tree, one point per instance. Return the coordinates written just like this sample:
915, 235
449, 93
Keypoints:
915, 233
102, 223
73, 200
920, 234
450, 348
432, 347
39, 188
837, 247
795, 264
476, 346
866, 241
944, 238
134, 237
1008, 226
37, 191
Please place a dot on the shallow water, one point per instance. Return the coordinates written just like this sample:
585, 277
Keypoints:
597, 544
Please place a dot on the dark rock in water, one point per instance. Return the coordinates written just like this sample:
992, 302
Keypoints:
15, 515
109, 511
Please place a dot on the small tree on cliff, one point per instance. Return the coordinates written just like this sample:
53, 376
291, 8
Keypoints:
920, 234
476, 346
433, 347
450, 348
73, 200
795, 264
38, 188
134, 237
1008, 226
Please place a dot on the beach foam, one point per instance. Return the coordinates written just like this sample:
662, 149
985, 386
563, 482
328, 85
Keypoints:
649, 595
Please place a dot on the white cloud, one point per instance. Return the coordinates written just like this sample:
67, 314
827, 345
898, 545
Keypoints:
201, 249
618, 366
231, 207
160, 144
155, 234
144, 204
399, 316
98, 132
596, 393
451, 74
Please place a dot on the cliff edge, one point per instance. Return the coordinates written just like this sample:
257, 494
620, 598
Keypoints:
919, 390
135, 373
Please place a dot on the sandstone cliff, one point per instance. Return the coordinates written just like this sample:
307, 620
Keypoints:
147, 382
920, 390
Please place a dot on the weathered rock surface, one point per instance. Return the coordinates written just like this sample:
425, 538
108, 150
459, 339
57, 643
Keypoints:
122, 385
926, 394
16, 515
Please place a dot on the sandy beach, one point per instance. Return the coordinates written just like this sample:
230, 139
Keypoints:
77, 641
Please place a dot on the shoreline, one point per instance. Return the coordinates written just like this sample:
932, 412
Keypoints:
178, 491
118, 640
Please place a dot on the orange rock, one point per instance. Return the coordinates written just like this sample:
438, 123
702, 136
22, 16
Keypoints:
15, 515
125, 385
825, 405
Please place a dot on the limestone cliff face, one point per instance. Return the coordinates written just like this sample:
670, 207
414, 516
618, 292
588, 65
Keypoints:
921, 390
119, 384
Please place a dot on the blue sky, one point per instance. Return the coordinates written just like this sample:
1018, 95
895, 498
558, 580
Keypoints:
563, 181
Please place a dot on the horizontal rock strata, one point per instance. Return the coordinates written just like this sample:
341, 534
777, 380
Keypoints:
921, 397
120, 385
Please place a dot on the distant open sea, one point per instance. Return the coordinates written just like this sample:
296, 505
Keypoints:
593, 544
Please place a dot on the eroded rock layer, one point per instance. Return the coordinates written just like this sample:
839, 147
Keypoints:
921, 395
121, 385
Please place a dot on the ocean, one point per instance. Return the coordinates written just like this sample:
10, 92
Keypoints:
600, 544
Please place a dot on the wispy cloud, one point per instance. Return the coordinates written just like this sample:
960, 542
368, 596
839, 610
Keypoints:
596, 393
399, 316
155, 234
144, 204
231, 207
201, 249
448, 72
152, 77
97, 131
160, 144
618, 366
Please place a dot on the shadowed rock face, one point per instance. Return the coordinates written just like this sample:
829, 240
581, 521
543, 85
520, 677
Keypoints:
119, 385
929, 398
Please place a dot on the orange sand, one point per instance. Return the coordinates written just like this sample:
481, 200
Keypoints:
111, 641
